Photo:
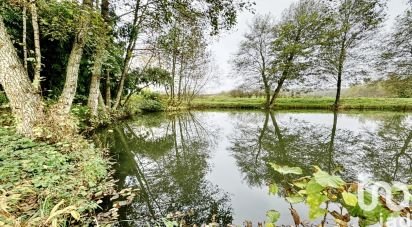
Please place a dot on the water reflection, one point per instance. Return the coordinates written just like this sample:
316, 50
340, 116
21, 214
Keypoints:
177, 160
167, 159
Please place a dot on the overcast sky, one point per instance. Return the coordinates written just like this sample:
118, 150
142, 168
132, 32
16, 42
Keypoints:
227, 44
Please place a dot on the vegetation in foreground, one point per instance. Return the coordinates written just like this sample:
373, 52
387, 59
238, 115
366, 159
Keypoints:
45, 184
321, 189
402, 104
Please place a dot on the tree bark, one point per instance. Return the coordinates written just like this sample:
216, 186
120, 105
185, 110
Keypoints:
278, 88
36, 35
65, 102
101, 103
338, 91
94, 91
108, 93
25, 102
267, 92
24, 41
342, 56
282, 79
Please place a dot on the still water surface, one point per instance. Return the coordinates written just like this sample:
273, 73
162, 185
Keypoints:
217, 162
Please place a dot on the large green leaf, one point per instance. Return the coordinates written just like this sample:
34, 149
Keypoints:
316, 212
349, 198
286, 169
313, 187
295, 199
272, 216
327, 180
315, 200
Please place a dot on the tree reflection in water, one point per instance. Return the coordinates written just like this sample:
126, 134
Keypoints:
167, 160
382, 154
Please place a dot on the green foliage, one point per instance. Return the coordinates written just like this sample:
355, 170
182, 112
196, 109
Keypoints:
400, 86
36, 178
149, 105
323, 103
150, 102
321, 188
59, 19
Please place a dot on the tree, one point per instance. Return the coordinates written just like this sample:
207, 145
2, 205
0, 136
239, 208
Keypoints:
62, 107
99, 59
214, 15
295, 43
349, 23
25, 102
254, 55
35, 24
397, 54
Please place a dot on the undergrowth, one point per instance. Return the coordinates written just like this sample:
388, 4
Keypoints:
48, 184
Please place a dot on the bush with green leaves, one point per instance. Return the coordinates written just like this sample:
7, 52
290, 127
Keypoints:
150, 102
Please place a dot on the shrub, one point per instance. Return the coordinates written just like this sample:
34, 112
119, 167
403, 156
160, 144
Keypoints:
149, 105
150, 102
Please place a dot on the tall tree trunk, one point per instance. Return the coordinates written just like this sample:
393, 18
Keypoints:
94, 91
172, 91
25, 102
277, 90
267, 91
338, 91
284, 76
179, 86
24, 41
108, 93
36, 35
62, 107
342, 57
72, 73
128, 58
101, 103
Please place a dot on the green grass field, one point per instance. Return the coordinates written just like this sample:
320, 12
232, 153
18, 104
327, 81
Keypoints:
399, 104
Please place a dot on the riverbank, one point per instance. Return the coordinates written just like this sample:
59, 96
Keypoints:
49, 184
392, 104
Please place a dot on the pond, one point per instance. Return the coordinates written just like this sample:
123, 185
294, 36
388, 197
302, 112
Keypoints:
215, 165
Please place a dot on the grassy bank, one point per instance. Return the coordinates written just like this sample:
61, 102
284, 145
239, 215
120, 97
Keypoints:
400, 104
44, 184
